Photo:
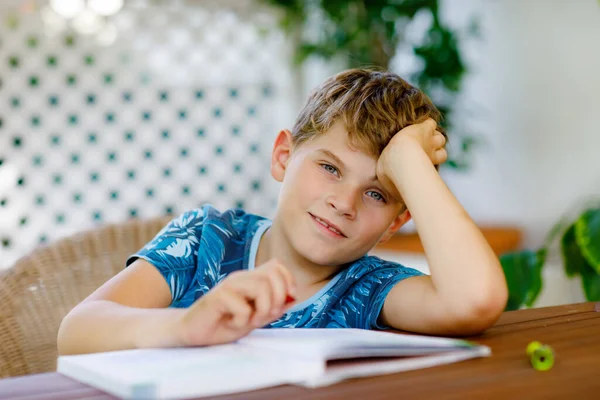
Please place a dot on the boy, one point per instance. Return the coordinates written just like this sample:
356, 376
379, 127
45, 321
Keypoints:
359, 163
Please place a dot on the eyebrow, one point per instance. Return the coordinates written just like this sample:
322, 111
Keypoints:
335, 158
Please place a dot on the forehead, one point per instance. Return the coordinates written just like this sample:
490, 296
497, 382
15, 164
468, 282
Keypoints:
337, 140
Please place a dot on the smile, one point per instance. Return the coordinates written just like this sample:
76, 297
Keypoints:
332, 229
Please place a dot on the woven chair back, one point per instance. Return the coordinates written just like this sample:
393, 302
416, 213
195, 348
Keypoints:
42, 287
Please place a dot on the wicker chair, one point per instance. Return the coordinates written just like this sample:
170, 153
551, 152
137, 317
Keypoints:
42, 287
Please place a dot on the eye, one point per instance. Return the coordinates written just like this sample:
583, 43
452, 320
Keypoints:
375, 195
330, 168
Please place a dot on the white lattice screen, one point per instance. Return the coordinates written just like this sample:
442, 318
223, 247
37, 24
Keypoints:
168, 106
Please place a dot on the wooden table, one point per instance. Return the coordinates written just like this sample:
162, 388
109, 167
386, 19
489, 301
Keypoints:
572, 330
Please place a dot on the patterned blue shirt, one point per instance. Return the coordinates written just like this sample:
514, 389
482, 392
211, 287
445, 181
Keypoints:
198, 249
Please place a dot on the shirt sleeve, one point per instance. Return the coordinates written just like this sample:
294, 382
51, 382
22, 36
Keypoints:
378, 284
174, 251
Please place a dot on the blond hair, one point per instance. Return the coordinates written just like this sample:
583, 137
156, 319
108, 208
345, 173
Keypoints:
373, 106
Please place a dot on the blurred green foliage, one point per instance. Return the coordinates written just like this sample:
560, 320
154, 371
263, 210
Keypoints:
368, 33
580, 250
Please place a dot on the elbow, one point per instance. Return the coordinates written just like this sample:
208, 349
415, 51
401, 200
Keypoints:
480, 312
62, 339
68, 333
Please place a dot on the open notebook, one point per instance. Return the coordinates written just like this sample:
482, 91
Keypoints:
266, 357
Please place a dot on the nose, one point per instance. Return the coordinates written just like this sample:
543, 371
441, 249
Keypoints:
343, 200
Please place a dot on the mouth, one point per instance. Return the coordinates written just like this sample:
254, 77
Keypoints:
332, 228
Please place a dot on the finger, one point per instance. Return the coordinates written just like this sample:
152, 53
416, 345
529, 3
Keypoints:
263, 299
237, 307
430, 123
279, 291
440, 156
290, 282
439, 139
256, 289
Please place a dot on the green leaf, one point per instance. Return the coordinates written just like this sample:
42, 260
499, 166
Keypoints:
558, 228
536, 278
523, 272
574, 261
362, 33
590, 280
580, 247
587, 234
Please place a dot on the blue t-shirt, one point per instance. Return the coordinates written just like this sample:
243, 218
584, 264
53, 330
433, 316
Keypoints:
198, 249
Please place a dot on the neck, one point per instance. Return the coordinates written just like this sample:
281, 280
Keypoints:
275, 244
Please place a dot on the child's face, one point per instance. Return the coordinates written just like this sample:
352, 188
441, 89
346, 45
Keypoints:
325, 181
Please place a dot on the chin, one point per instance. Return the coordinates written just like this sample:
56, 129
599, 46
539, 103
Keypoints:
316, 254
324, 257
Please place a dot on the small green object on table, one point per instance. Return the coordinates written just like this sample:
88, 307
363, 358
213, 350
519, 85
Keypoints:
541, 356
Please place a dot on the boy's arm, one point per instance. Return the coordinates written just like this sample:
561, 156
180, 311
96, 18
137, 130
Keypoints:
129, 311
466, 291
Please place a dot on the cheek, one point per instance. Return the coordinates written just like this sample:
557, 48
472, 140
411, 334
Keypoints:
300, 185
309, 182
375, 223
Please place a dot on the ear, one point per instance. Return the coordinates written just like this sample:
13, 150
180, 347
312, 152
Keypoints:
398, 222
282, 150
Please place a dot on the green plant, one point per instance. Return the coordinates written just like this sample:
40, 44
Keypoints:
580, 250
368, 32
